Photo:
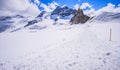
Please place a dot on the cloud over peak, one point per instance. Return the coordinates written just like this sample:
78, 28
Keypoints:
19, 6
92, 12
31, 7
110, 8
50, 7
85, 5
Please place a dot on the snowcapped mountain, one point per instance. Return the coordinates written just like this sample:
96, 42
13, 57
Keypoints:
63, 12
58, 15
11, 22
107, 17
43, 15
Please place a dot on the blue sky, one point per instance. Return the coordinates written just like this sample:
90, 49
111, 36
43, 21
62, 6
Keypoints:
96, 4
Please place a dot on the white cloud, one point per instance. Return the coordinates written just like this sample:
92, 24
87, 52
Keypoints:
53, 5
85, 5
50, 7
76, 6
19, 6
117, 9
46, 8
109, 8
90, 12
37, 2
31, 10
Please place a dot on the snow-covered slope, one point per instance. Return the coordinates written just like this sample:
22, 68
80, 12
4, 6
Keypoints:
107, 16
61, 47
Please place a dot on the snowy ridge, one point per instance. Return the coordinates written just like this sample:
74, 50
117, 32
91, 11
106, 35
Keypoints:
107, 16
9, 23
18, 22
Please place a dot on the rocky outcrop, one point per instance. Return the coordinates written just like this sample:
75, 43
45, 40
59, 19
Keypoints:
36, 20
31, 22
79, 17
41, 14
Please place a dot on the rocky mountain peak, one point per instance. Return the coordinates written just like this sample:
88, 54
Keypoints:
63, 12
80, 12
79, 17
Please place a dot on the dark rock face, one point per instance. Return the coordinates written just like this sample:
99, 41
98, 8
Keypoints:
18, 16
4, 27
41, 14
31, 23
5, 23
79, 17
36, 20
5, 18
63, 11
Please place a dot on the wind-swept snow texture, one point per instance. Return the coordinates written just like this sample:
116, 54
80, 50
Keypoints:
61, 47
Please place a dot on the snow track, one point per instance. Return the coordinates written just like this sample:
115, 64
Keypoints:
77, 48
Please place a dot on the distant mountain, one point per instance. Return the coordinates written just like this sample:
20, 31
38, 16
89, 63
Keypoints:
63, 12
107, 16
16, 22
7, 22
43, 15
